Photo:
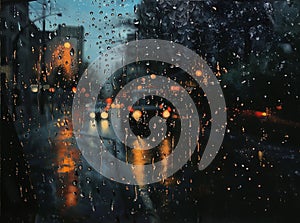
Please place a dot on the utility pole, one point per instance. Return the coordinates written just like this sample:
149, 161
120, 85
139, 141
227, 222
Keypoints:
44, 40
43, 75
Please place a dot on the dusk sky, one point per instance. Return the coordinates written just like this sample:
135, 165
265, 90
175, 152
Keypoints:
97, 16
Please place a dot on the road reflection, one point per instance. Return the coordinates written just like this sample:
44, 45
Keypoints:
141, 157
68, 156
66, 159
165, 150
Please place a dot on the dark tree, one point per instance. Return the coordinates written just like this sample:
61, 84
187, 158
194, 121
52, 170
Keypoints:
223, 31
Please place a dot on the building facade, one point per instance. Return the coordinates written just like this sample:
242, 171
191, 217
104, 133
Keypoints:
64, 55
17, 42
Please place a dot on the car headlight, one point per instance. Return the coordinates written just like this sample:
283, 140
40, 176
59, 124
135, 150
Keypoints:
136, 115
104, 115
166, 114
92, 115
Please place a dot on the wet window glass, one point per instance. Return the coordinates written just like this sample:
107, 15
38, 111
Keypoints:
150, 111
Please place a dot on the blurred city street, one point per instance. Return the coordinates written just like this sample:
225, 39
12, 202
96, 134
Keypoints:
237, 185
145, 111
